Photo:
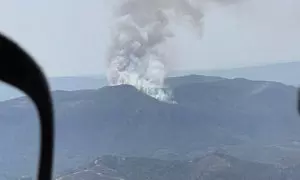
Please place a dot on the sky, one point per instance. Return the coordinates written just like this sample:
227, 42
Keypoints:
71, 37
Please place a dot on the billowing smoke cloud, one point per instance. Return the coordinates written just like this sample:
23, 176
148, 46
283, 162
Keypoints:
142, 28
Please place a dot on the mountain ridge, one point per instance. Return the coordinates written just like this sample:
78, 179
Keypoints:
286, 72
211, 113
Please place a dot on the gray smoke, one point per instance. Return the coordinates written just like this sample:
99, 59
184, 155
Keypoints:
142, 28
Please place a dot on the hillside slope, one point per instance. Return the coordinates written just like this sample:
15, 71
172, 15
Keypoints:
210, 113
210, 167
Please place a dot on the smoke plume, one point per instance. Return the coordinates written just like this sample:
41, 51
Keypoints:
141, 30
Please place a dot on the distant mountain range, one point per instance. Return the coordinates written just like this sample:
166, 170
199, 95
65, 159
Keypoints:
251, 120
287, 73
58, 83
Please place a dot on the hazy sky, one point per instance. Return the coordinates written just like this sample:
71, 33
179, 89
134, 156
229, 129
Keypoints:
70, 37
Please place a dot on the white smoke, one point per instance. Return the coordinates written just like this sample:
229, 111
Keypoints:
141, 30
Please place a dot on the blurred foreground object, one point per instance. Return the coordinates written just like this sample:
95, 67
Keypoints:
18, 69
